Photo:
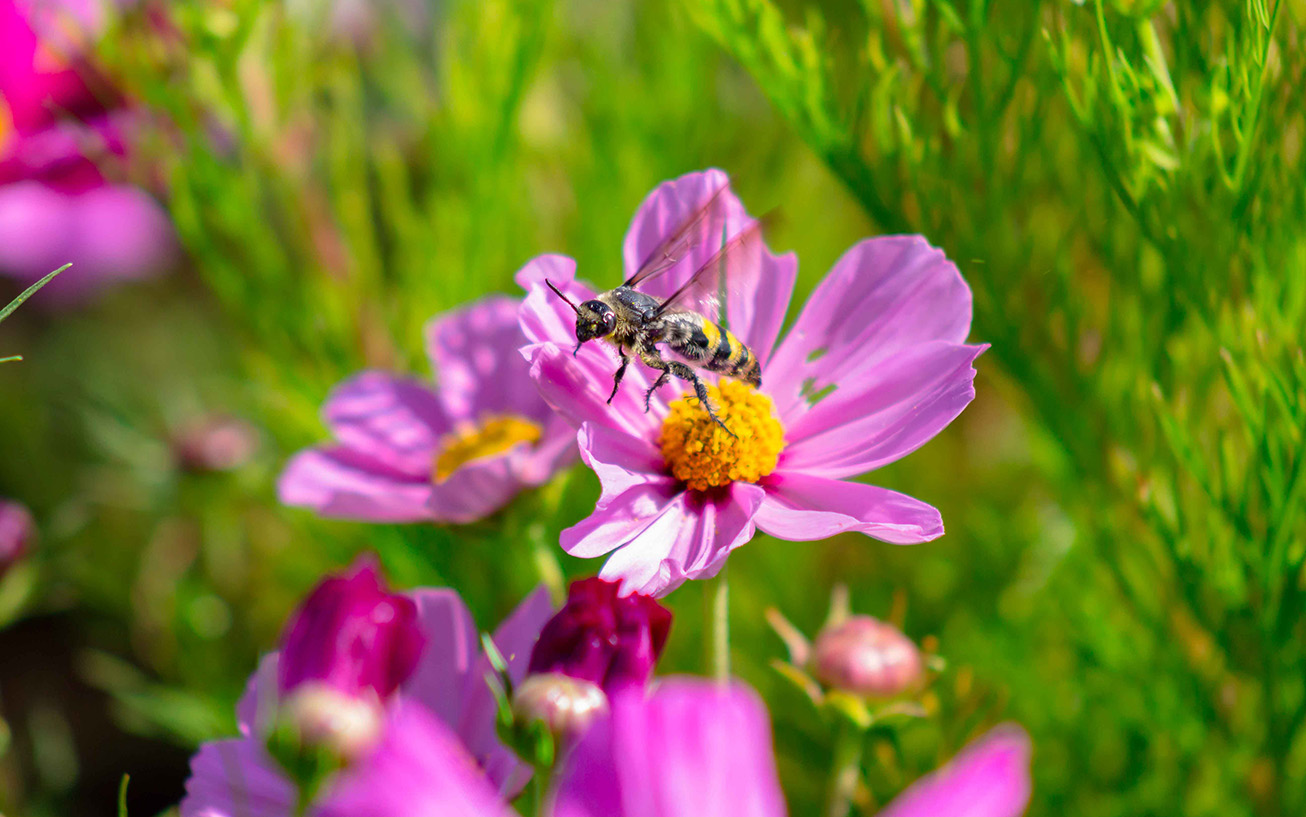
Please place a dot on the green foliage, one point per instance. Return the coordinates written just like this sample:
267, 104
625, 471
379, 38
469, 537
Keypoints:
1121, 183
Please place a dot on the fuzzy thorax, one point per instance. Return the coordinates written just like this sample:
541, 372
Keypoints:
488, 437
702, 455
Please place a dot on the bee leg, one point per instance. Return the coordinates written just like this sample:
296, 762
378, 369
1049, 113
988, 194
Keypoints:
648, 395
621, 372
670, 367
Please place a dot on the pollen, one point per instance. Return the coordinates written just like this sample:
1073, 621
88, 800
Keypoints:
491, 435
702, 455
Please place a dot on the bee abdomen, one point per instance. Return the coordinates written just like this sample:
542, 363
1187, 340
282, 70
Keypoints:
733, 358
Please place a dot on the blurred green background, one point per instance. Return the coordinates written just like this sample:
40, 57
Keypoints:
1121, 183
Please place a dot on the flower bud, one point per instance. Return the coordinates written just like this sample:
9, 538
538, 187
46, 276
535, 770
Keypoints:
16, 534
321, 715
216, 443
353, 635
601, 637
566, 705
866, 657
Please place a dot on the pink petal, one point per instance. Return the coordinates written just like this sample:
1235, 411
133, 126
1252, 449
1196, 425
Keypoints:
236, 778
452, 646
884, 295
693, 748
578, 388
800, 507
990, 778
338, 482
555, 450
477, 488
514, 640
619, 519
474, 353
257, 706
394, 421
543, 316
756, 311
419, 769
690, 539
883, 413
619, 460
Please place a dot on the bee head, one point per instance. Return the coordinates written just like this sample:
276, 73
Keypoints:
594, 319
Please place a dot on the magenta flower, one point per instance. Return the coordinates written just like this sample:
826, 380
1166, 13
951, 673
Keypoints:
351, 634
407, 452
16, 534
237, 777
873, 368
55, 205
601, 637
419, 769
699, 749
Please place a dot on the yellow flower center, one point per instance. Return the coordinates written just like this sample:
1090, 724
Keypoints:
494, 434
702, 455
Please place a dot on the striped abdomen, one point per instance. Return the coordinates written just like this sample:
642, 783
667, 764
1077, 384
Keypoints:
715, 348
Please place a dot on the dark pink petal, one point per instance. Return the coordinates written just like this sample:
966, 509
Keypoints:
800, 507
479, 370
419, 769
990, 778
690, 539
338, 482
394, 421
236, 778
756, 311
884, 412
884, 295
693, 748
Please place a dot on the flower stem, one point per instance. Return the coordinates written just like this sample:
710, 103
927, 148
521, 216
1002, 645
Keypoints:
719, 616
846, 768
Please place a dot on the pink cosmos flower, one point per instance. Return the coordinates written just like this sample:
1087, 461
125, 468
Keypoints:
875, 365
407, 452
55, 205
237, 778
698, 749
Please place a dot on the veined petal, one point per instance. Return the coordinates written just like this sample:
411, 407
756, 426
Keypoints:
800, 507
990, 778
690, 539
474, 352
619, 519
340, 482
693, 748
236, 778
883, 412
884, 295
544, 317
620, 460
756, 311
394, 421
578, 388
478, 488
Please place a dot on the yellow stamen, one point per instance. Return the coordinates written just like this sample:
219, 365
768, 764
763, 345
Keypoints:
493, 434
702, 455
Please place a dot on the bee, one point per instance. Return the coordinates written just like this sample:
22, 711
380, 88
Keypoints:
636, 322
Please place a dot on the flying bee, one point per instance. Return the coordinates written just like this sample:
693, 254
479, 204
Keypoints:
685, 321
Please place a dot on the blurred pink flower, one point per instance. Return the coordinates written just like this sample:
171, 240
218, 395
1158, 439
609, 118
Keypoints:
237, 777
55, 205
695, 748
419, 769
16, 534
873, 368
408, 452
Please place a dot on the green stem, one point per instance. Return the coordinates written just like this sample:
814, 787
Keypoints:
845, 769
719, 616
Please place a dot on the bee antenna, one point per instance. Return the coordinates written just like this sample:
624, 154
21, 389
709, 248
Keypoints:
574, 308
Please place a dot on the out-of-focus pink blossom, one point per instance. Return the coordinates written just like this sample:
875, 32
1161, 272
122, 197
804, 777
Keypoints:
866, 656
17, 533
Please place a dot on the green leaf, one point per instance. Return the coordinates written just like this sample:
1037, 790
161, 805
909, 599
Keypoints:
27, 293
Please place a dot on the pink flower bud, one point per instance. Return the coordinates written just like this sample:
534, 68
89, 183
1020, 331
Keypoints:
324, 716
566, 705
216, 443
352, 634
866, 657
16, 534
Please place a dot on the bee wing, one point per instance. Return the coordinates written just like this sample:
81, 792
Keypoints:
734, 268
702, 226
